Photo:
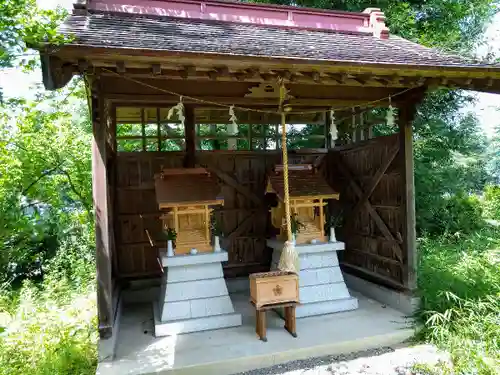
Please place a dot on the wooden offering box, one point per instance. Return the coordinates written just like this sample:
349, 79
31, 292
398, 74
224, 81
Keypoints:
273, 287
308, 192
185, 197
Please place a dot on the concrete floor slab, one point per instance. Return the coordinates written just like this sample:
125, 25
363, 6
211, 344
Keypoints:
236, 349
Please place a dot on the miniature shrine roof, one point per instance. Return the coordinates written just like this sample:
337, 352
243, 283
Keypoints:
303, 181
176, 187
183, 33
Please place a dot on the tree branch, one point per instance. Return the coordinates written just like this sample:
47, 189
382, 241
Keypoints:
44, 174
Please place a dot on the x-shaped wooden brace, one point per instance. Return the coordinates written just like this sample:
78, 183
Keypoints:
364, 197
247, 193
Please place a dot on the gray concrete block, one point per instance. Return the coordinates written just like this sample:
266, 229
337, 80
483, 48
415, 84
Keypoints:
195, 289
176, 311
403, 302
194, 325
322, 308
194, 272
324, 292
318, 260
316, 276
211, 306
188, 259
308, 248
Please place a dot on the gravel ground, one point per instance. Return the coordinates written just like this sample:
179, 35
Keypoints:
382, 361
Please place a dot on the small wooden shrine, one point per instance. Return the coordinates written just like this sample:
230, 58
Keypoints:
308, 194
185, 197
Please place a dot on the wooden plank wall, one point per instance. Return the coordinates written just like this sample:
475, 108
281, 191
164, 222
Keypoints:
245, 221
369, 250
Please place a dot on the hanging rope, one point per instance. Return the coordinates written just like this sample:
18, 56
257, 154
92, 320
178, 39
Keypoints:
289, 259
204, 101
286, 188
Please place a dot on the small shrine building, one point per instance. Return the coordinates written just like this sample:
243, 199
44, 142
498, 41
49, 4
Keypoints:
201, 84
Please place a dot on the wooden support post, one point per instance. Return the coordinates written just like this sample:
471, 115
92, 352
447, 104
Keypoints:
103, 230
250, 137
277, 136
407, 113
143, 129
353, 126
215, 142
158, 128
321, 216
207, 226
361, 131
190, 137
176, 219
328, 136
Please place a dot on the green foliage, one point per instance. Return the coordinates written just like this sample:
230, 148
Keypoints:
23, 25
492, 202
45, 180
493, 156
452, 24
459, 285
451, 215
170, 234
296, 224
47, 265
49, 330
215, 225
450, 164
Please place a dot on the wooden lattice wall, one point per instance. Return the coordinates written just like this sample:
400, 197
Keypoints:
372, 196
244, 216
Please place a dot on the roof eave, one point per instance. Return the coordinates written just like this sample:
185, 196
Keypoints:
94, 52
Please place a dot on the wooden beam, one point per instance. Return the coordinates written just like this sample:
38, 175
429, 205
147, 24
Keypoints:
224, 74
143, 129
120, 67
373, 184
103, 228
371, 211
319, 103
406, 115
187, 71
156, 69
190, 137
328, 136
83, 65
249, 194
223, 71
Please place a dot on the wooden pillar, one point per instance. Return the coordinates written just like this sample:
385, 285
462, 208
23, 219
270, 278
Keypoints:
328, 136
103, 230
190, 137
215, 142
407, 112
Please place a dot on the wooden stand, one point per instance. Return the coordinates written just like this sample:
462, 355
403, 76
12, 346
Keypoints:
290, 322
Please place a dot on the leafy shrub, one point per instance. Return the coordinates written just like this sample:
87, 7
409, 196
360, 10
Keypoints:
492, 202
459, 213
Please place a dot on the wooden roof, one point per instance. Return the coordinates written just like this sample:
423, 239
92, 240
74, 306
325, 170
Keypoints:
215, 41
303, 180
156, 33
186, 186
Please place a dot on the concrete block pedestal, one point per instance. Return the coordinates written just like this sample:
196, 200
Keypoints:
194, 295
322, 289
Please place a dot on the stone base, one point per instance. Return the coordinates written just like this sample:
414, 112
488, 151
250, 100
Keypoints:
404, 302
322, 308
194, 295
176, 327
322, 289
